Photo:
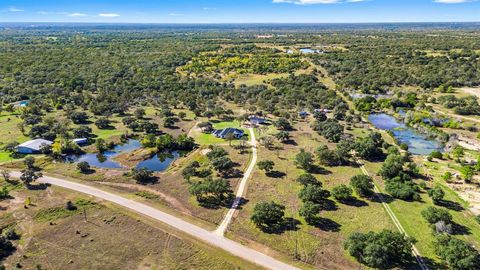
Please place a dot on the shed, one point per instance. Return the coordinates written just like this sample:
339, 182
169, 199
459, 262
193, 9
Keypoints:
32, 147
80, 141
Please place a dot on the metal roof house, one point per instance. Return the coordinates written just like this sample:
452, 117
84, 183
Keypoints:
222, 133
255, 120
80, 141
32, 147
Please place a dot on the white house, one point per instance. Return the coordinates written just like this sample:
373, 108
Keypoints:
32, 147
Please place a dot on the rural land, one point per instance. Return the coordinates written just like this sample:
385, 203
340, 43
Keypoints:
240, 147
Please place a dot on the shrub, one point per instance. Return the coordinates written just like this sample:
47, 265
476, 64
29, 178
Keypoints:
363, 185
342, 193
434, 215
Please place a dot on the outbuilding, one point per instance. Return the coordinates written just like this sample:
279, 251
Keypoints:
33, 146
80, 141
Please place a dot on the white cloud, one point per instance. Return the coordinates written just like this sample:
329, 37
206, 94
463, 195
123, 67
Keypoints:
175, 14
452, 1
209, 8
109, 15
77, 14
14, 9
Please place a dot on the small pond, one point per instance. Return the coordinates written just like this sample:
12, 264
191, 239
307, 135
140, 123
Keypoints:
156, 163
418, 144
308, 50
160, 161
106, 159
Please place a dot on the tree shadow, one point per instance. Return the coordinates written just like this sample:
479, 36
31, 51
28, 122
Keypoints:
455, 206
41, 186
290, 142
326, 224
328, 205
319, 170
288, 224
387, 198
275, 174
459, 229
352, 201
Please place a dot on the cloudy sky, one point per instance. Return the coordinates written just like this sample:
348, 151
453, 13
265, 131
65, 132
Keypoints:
239, 11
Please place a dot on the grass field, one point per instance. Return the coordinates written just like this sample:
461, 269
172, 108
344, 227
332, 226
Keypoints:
112, 238
321, 246
409, 215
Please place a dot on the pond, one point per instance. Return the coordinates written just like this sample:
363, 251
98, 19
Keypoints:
156, 163
418, 144
106, 159
308, 50
159, 162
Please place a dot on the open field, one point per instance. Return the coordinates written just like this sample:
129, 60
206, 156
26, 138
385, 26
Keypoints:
409, 215
53, 237
320, 246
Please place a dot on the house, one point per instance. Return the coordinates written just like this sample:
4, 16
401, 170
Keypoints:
255, 120
80, 141
321, 111
33, 146
222, 133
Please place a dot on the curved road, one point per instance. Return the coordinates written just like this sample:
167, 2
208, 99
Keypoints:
241, 188
232, 247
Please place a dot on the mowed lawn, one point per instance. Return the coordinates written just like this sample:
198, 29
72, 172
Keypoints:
320, 246
9, 132
409, 215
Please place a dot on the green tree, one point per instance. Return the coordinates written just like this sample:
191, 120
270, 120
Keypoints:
282, 124
363, 185
313, 193
212, 193
83, 167
142, 175
139, 113
223, 165
434, 215
310, 212
436, 194
342, 193
308, 179
457, 254
266, 165
28, 176
383, 250
282, 136
29, 162
304, 160
268, 216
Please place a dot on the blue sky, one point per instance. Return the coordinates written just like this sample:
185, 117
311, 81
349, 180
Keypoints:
239, 11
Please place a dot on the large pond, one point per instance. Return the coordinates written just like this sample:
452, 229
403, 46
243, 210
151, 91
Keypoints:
418, 144
158, 162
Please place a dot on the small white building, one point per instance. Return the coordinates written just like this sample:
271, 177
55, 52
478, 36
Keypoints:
32, 147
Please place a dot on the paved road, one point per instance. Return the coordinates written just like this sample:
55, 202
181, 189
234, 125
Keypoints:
241, 188
395, 220
230, 246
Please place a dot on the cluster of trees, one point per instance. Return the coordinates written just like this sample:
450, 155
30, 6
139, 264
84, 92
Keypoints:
168, 142
375, 65
382, 250
457, 254
211, 192
237, 59
396, 171
461, 105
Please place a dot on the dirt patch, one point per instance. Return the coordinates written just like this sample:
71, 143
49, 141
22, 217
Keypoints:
471, 90
469, 193
169, 199
131, 159
204, 152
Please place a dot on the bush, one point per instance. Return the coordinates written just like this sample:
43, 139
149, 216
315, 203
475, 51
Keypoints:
142, 175
436, 154
400, 189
